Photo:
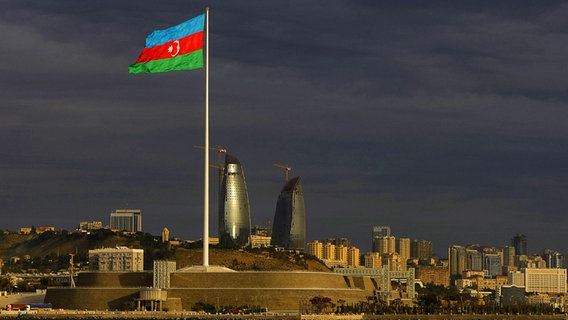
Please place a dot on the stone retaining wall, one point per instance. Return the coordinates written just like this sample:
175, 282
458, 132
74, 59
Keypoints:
91, 298
115, 279
258, 280
274, 290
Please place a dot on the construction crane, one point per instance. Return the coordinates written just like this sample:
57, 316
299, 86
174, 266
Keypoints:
219, 166
283, 166
219, 149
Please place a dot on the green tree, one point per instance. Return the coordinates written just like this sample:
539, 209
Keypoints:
322, 304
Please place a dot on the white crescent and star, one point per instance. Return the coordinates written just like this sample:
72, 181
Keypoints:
171, 48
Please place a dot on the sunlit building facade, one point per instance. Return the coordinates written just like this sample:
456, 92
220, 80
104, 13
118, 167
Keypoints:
386, 244
234, 207
315, 248
353, 257
289, 230
116, 259
403, 248
545, 280
373, 260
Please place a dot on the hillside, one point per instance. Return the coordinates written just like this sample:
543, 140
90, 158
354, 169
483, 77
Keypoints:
266, 260
50, 251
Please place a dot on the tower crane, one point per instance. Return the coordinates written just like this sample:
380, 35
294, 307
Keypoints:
219, 166
285, 167
218, 149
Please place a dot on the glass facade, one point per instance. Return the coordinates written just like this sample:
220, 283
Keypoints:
289, 229
520, 243
234, 207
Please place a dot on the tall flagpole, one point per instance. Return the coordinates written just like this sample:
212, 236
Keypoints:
206, 194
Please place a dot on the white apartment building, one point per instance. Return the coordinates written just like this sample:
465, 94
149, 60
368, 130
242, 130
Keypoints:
539, 280
545, 280
116, 259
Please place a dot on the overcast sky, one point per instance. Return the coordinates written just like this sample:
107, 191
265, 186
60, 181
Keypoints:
446, 120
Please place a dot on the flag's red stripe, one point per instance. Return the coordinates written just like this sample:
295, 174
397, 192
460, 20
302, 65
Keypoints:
186, 45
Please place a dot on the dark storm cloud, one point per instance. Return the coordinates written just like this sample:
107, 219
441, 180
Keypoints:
445, 120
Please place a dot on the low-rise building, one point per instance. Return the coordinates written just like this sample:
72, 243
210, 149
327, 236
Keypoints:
86, 226
436, 275
258, 241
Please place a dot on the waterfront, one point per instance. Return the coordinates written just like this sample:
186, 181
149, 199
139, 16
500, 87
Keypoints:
190, 315
99, 315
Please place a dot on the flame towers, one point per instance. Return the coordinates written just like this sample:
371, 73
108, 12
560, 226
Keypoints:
289, 229
234, 207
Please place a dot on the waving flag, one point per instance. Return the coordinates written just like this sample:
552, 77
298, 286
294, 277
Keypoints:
177, 48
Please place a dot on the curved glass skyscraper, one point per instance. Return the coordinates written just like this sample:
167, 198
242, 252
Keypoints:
289, 229
234, 207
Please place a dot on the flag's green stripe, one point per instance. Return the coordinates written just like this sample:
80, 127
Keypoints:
193, 60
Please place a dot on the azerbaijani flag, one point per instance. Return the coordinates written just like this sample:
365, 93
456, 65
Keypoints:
177, 48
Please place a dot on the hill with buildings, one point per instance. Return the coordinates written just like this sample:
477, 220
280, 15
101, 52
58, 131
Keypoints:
49, 251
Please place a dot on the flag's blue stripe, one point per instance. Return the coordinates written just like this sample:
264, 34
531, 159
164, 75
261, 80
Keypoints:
181, 30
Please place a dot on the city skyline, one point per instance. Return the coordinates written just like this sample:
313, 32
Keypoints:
443, 120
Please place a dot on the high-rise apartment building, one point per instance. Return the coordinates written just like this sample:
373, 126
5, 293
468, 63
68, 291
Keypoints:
315, 248
519, 241
341, 253
234, 211
353, 257
116, 259
403, 248
126, 220
334, 254
289, 230
509, 256
421, 249
379, 232
328, 251
386, 244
